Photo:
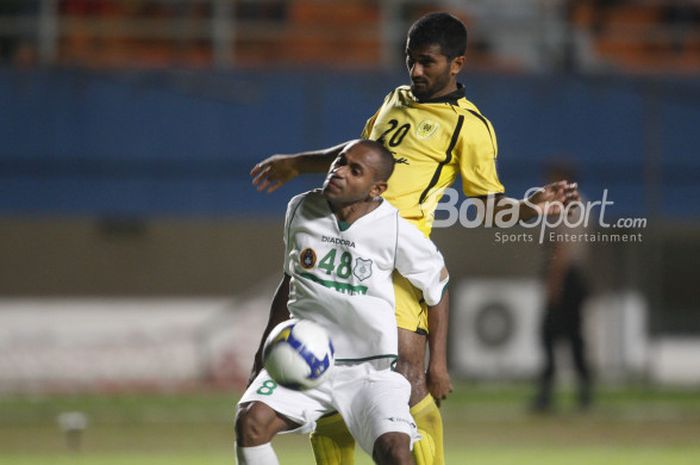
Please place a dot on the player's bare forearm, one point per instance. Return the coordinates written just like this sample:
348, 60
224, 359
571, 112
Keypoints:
318, 161
278, 314
273, 172
501, 203
547, 200
437, 377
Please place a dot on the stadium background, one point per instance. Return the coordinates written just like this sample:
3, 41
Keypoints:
137, 261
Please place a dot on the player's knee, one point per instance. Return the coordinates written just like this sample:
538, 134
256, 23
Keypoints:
392, 449
252, 425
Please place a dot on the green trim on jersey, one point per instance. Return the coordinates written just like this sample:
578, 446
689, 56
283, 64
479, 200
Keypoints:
444, 289
341, 287
366, 359
343, 225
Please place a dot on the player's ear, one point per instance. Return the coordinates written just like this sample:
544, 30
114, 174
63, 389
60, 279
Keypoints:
378, 188
456, 65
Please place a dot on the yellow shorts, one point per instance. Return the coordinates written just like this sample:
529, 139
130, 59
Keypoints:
411, 309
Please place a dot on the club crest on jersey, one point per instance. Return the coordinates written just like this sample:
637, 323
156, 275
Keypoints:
426, 128
307, 258
363, 269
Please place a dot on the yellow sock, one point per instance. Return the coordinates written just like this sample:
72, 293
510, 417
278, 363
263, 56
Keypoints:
332, 442
429, 450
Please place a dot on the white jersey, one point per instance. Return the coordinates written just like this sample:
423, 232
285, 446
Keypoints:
341, 276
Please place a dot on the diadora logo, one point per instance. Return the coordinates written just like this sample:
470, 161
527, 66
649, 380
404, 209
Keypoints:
401, 420
401, 161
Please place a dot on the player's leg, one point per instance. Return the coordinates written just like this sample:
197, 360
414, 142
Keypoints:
332, 442
266, 409
256, 425
543, 398
411, 317
429, 449
373, 400
393, 449
575, 292
583, 374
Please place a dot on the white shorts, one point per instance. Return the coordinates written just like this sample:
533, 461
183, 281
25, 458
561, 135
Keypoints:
371, 401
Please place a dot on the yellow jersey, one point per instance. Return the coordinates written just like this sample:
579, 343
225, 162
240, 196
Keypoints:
431, 142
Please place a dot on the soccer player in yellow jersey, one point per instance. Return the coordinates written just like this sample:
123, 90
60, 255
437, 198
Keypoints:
434, 133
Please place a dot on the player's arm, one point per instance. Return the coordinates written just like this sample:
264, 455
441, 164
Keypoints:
546, 200
477, 160
278, 314
419, 261
273, 172
437, 376
549, 200
278, 310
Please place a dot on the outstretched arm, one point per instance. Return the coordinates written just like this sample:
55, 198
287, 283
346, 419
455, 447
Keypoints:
437, 376
547, 200
278, 314
273, 172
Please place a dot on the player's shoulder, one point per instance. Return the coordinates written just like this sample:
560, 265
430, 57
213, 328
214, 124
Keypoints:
386, 209
410, 229
469, 109
297, 199
312, 197
400, 95
474, 119
384, 216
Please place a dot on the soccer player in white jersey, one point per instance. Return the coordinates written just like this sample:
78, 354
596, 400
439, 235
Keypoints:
342, 244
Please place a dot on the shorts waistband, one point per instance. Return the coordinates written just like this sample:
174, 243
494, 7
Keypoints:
379, 363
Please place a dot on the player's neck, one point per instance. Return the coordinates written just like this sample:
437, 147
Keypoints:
447, 90
349, 213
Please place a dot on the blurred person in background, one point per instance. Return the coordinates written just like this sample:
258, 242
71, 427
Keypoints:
566, 290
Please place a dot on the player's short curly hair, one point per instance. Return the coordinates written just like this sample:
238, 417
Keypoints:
386, 159
442, 29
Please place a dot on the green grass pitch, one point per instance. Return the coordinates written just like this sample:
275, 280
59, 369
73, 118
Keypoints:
485, 425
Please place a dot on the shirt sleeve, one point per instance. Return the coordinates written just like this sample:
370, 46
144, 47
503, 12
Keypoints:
292, 207
419, 261
367, 130
477, 158
369, 125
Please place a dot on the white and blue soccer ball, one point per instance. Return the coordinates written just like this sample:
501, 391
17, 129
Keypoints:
298, 354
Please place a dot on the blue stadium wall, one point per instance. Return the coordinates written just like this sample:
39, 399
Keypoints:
181, 143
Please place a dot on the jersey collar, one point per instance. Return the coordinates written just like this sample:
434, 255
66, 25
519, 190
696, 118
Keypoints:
450, 98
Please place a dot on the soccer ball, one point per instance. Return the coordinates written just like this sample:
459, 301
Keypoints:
298, 354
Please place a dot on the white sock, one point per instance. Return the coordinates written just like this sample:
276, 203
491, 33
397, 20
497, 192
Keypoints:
263, 454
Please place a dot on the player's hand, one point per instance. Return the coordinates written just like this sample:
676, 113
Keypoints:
273, 172
550, 199
439, 384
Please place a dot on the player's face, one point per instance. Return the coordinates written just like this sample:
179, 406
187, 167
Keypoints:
432, 73
351, 177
